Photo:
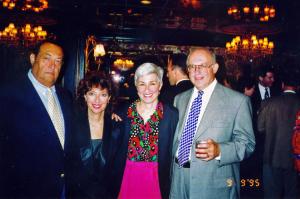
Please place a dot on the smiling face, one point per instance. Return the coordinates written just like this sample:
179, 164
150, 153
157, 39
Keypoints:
148, 87
97, 100
47, 64
201, 68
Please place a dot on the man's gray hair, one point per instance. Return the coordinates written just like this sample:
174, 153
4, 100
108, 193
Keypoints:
149, 68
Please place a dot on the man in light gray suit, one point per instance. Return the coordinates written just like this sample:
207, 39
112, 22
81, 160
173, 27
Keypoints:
222, 121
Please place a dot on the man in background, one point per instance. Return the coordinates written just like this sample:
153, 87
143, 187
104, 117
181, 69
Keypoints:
34, 125
177, 76
276, 120
265, 85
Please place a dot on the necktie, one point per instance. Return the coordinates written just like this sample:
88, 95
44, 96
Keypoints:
267, 95
56, 117
189, 130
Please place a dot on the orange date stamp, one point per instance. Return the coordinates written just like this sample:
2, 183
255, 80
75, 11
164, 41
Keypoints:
250, 182
246, 182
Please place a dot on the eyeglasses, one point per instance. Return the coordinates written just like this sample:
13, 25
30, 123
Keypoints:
195, 67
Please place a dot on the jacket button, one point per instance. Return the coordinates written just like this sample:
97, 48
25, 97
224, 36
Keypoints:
62, 175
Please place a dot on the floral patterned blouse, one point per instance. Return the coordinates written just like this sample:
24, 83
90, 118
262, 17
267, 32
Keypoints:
143, 140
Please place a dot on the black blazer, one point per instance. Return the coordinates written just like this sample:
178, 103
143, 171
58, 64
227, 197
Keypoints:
169, 94
167, 128
256, 98
32, 159
90, 173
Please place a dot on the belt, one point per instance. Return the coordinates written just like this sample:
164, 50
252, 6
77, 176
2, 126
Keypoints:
185, 165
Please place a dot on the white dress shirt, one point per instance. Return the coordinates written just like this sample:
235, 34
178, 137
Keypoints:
207, 92
42, 92
262, 91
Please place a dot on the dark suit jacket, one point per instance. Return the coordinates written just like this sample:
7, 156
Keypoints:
89, 170
169, 94
256, 98
277, 119
167, 128
32, 164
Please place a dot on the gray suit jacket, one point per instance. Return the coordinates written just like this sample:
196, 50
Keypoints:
227, 120
277, 119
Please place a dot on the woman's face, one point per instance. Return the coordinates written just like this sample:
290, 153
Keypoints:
148, 87
97, 100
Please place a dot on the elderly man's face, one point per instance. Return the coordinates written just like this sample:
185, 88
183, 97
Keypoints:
148, 87
47, 64
201, 69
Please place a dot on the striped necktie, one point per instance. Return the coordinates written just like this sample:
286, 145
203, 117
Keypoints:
56, 117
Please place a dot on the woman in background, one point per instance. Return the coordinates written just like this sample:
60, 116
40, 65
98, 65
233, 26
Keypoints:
92, 137
141, 168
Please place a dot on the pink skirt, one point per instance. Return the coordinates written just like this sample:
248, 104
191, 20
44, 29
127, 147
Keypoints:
140, 180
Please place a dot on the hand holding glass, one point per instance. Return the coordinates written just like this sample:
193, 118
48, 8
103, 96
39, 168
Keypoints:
201, 149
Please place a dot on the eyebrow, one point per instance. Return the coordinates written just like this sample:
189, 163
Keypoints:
50, 54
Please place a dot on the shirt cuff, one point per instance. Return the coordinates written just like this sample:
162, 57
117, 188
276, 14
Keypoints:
218, 157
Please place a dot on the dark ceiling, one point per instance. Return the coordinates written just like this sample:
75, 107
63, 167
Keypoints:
164, 21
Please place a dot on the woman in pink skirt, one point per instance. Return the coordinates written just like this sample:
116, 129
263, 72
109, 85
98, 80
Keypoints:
141, 168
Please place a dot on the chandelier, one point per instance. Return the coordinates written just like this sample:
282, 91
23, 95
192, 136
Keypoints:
26, 35
26, 5
249, 12
249, 47
123, 64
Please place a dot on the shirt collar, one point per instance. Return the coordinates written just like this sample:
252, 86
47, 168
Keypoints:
181, 81
262, 87
209, 89
289, 91
39, 87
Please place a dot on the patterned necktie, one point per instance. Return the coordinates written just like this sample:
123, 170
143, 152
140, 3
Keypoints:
267, 95
189, 130
56, 117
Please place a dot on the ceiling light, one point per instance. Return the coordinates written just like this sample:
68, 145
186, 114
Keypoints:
146, 2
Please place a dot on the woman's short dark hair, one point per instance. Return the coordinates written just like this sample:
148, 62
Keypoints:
91, 80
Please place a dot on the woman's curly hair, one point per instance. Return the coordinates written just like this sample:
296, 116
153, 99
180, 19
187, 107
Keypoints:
91, 80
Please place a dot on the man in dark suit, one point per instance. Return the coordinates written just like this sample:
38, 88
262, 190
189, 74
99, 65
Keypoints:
177, 76
35, 123
264, 88
276, 120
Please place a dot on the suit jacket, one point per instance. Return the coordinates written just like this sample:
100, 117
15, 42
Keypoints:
226, 120
90, 170
256, 98
169, 94
32, 164
277, 120
166, 129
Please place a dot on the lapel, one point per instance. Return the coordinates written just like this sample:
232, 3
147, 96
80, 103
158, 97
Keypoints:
214, 106
185, 101
34, 101
182, 106
107, 131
